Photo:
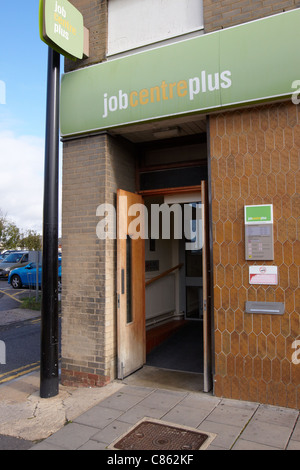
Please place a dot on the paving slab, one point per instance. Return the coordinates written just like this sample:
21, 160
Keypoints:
246, 405
72, 436
93, 445
45, 445
228, 414
242, 444
296, 431
112, 432
163, 400
98, 417
121, 401
139, 391
226, 433
277, 415
269, 434
186, 415
138, 412
201, 400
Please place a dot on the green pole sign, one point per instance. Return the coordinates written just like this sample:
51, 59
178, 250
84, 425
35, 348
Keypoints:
251, 63
61, 27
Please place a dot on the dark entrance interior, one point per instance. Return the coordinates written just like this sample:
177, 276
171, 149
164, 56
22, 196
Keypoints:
181, 351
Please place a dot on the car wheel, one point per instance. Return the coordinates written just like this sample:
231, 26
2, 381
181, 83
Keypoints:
16, 282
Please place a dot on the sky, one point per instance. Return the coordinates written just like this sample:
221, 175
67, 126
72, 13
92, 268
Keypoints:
23, 87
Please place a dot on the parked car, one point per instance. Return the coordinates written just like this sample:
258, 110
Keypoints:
26, 276
14, 260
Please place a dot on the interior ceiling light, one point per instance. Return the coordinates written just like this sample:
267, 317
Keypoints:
166, 133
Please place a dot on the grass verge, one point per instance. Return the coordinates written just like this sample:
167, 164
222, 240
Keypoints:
30, 303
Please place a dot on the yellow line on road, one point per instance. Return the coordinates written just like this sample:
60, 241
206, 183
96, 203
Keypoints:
14, 374
19, 369
11, 296
19, 292
23, 372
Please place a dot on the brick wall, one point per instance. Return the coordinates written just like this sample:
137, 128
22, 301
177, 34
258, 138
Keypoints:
93, 169
95, 20
255, 159
219, 14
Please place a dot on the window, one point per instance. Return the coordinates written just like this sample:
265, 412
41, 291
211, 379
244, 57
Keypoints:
137, 23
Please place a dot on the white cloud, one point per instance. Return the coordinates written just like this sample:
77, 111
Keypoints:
22, 179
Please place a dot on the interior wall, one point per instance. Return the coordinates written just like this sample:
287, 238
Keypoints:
162, 295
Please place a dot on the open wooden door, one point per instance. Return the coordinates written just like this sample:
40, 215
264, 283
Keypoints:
207, 360
130, 285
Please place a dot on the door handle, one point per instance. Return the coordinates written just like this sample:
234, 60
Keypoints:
122, 281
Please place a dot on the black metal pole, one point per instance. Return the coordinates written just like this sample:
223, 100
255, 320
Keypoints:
49, 379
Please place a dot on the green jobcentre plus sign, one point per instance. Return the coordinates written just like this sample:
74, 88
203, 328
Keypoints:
255, 62
262, 214
61, 27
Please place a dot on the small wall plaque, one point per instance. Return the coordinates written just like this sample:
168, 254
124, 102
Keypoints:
263, 275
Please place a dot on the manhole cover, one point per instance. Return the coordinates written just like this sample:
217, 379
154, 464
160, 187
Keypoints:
156, 435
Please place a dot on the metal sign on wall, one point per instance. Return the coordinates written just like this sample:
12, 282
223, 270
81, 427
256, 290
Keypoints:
61, 27
259, 244
251, 63
263, 275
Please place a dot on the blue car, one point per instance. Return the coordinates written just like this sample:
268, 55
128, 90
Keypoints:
26, 276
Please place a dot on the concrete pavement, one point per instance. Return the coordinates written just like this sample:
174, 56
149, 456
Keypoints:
27, 417
83, 419
92, 419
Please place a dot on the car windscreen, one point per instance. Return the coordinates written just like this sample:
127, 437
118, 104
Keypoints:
13, 258
5, 255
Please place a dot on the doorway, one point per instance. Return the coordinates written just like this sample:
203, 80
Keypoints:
176, 333
175, 328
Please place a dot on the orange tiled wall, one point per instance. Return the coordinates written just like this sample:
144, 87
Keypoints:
255, 160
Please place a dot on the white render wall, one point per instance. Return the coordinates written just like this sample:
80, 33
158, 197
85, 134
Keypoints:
136, 23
